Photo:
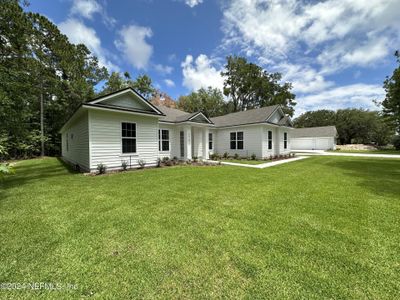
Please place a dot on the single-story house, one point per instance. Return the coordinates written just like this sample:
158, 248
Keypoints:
124, 127
314, 138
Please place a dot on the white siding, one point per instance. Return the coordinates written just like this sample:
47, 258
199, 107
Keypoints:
106, 142
173, 141
127, 100
78, 142
252, 136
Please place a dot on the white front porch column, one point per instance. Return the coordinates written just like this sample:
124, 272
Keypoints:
188, 142
206, 152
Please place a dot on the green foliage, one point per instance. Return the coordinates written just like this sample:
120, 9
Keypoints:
391, 104
396, 142
6, 169
253, 156
209, 101
236, 156
101, 168
249, 86
142, 163
124, 165
38, 61
353, 125
142, 84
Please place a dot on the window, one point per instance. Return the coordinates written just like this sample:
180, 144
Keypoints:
66, 139
182, 143
128, 137
163, 140
237, 140
210, 141
285, 140
269, 139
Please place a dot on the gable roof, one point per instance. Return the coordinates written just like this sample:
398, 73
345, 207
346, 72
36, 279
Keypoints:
174, 115
98, 101
324, 131
251, 116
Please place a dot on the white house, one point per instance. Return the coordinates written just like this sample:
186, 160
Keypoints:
314, 138
123, 126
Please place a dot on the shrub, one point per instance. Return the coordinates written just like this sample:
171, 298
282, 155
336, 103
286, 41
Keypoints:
175, 158
225, 155
236, 156
214, 156
396, 142
102, 168
253, 156
165, 159
6, 169
189, 161
158, 163
195, 158
271, 157
141, 163
124, 165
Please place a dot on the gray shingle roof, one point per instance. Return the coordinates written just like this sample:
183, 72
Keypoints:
250, 116
325, 131
173, 114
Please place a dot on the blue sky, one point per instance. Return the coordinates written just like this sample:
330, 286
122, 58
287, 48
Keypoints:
336, 52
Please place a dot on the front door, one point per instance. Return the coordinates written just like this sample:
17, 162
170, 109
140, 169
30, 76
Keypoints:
182, 143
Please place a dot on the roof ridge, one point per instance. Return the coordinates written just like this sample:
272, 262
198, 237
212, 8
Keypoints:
244, 111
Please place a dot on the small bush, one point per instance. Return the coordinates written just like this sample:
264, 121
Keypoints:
271, 157
158, 163
124, 165
175, 158
142, 163
165, 159
102, 168
226, 155
253, 156
189, 161
396, 142
195, 158
215, 156
236, 156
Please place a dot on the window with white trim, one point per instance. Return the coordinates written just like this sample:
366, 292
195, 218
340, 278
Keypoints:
128, 137
210, 141
237, 140
163, 140
285, 140
269, 139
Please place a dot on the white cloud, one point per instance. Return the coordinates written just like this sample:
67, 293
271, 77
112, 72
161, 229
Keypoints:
88, 8
359, 32
164, 70
193, 3
169, 83
133, 44
200, 72
355, 95
79, 33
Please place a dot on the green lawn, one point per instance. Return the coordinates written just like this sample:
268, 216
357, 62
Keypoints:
245, 161
323, 227
369, 151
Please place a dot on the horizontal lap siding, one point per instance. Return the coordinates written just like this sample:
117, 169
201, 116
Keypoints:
78, 146
106, 141
252, 141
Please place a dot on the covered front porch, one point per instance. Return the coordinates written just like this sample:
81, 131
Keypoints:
194, 141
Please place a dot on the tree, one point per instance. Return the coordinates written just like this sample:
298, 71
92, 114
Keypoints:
391, 104
142, 84
210, 101
316, 118
249, 86
39, 66
353, 125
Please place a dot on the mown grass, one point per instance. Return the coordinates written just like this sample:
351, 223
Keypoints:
323, 227
387, 151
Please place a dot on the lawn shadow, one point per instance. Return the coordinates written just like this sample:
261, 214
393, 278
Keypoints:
381, 176
36, 171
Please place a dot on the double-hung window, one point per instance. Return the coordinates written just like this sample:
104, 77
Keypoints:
128, 137
210, 141
269, 139
285, 140
237, 140
163, 140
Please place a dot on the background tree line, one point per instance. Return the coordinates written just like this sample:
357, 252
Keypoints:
44, 77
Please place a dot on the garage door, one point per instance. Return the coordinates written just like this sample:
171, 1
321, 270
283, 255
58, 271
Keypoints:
323, 144
302, 144
315, 143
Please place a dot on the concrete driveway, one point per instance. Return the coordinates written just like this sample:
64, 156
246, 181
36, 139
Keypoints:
322, 152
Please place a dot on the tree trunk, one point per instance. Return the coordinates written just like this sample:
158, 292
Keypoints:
41, 123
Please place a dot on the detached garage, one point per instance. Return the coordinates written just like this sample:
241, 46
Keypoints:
314, 138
